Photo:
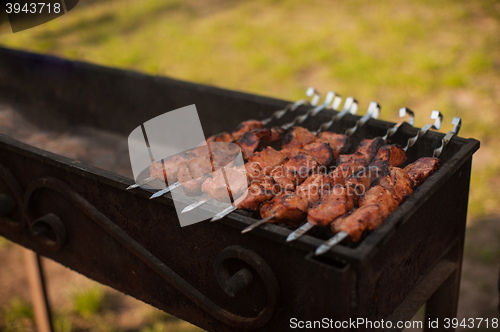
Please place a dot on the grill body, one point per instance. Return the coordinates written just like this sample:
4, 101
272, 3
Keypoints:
135, 245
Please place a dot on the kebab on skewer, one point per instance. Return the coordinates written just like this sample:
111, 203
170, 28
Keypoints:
382, 199
240, 130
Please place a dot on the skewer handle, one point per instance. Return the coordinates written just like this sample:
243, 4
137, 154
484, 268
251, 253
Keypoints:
301, 118
350, 106
457, 123
311, 92
333, 241
373, 112
435, 115
403, 111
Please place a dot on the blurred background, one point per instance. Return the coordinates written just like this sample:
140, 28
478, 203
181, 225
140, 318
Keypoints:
425, 55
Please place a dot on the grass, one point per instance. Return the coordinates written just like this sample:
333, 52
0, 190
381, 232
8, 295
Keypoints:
18, 316
88, 302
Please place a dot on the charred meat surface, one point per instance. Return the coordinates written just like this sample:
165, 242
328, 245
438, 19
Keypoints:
321, 151
369, 148
297, 138
267, 159
286, 208
338, 142
331, 205
422, 169
312, 188
378, 195
246, 126
398, 182
389, 155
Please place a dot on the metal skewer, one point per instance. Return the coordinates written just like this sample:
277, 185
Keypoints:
166, 190
330, 96
339, 237
145, 181
373, 111
257, 224
350, 106
196, 204
457, 123
311, 92
435, 115
391, 131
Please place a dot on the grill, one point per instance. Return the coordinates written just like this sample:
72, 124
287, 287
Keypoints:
83, 218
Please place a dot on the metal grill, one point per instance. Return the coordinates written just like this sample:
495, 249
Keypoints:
83, 218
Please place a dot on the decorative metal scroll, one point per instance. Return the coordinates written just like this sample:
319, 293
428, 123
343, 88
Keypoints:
236, 252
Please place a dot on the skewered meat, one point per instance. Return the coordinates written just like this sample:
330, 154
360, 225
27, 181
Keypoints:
251, 141
383, 197
343, 171
422, 169
314, 186
321, 151
285, 207
369, 148
398, 182
166, 171
259, 193
300, 167
331, 205
353, 158
285, 180
267, 159
356, 222
222, 137
218, 188
389, 155
338, 142
190, 184
246, 126
297, 138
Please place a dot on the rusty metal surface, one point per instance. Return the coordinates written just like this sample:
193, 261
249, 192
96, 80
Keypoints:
122, 239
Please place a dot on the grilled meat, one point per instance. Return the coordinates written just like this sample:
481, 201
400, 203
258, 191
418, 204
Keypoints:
286, 208
331, 205
222, 137
356, 222
398, 182
321, 151
246, 126
166, 171
384, 198
300, 167
267, 159
297, 138
338, 142
312, 188
422, 169
259, 192
389, 155
369, 148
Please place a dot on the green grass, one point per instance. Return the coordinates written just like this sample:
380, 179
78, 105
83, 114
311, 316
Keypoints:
18, 316
88, 302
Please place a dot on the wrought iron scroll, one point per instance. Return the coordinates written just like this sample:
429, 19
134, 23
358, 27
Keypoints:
219, 313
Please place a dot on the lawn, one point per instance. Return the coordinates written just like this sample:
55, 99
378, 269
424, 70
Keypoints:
421, 54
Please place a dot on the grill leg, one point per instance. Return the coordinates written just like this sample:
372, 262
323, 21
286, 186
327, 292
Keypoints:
36, 280
444, 302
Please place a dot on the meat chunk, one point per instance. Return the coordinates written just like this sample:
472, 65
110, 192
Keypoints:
276, 134
343, 171
222, 137
321, 151
257, 194
389, 155
190, 184
286, 207
218, 188
380, 196
338, 142
251, 141
246, 126
267, 159
331, 205
314, 186
398, 182
353, 158
369, 148
287, 182
422, 169
355, 223
301, 166
297, 138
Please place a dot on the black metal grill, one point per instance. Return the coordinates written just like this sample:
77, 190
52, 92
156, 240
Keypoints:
84, 218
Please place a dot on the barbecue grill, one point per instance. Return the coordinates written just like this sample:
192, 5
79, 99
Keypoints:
209, 273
